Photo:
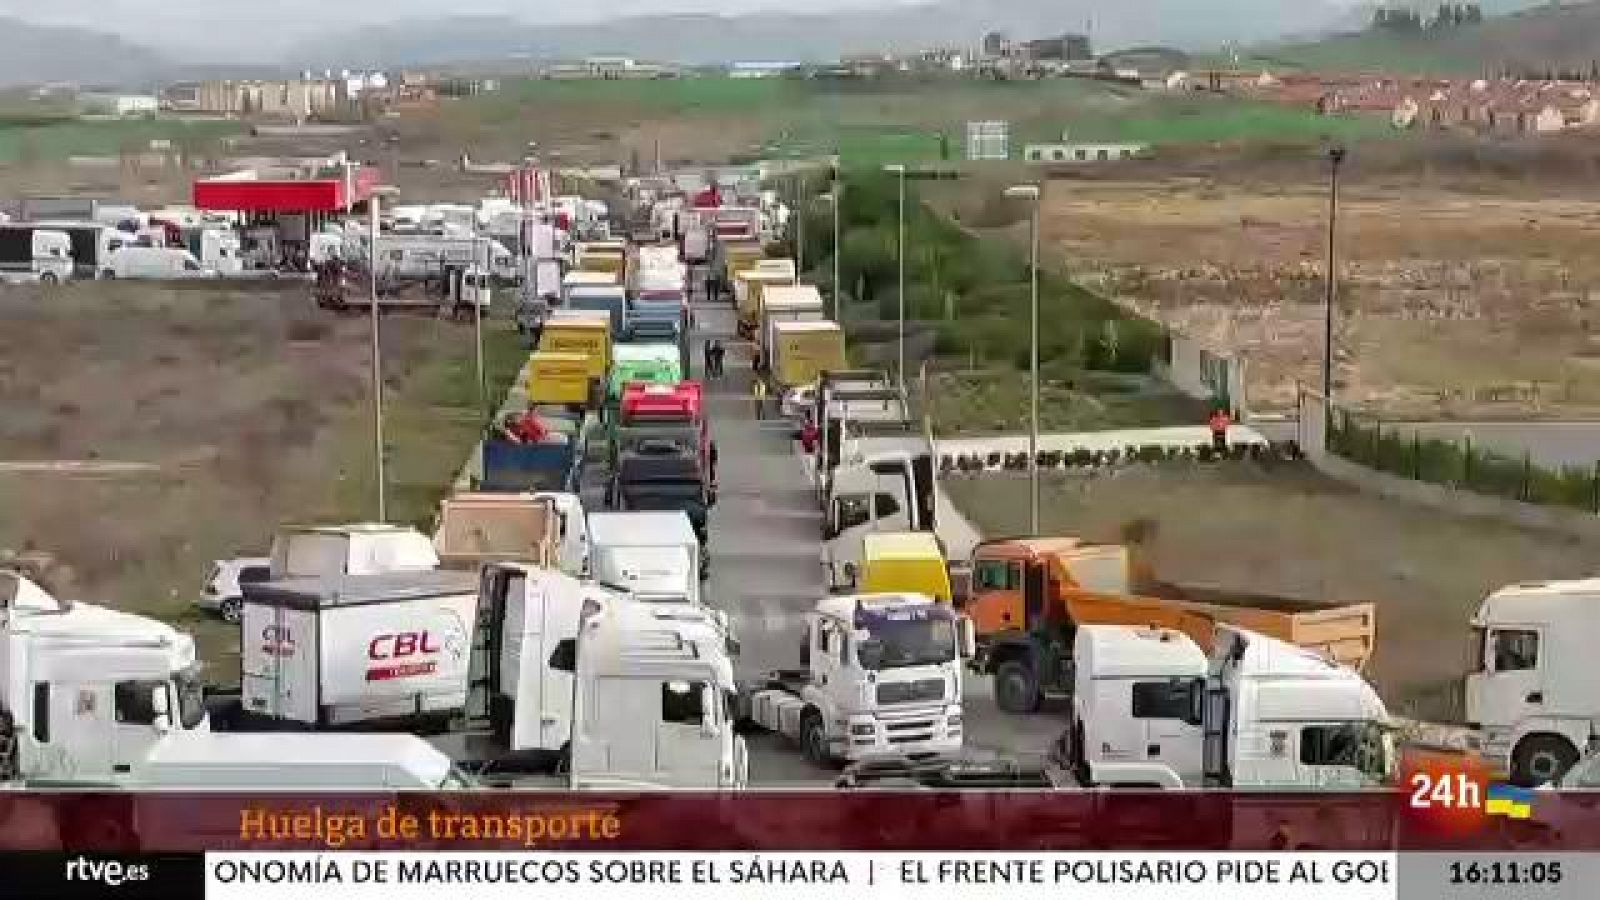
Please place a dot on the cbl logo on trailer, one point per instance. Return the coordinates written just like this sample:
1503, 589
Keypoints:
386, 648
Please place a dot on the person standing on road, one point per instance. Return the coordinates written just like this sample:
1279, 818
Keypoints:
708, 353
1219, 423
718, 354
758, 390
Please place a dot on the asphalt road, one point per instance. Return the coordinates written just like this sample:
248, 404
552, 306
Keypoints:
766, 569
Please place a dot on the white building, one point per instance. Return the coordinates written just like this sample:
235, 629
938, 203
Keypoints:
122, 105
1080, 152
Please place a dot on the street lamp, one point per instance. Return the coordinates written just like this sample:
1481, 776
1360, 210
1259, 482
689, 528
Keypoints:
377, 355
900, 256
1030, 192
837, 196
1336, 154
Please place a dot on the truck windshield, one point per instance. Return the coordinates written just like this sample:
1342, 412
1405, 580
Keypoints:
191, 697
898, 644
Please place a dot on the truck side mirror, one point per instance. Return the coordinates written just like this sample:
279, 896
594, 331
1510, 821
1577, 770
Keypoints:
1195, 715
709, 703
968, 637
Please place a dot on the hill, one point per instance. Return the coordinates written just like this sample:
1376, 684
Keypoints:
1532, 40
36, 54
802, 36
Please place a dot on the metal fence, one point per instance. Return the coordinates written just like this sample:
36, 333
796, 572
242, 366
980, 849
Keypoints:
1461, 464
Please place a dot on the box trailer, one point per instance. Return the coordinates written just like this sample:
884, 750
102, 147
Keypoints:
352, 650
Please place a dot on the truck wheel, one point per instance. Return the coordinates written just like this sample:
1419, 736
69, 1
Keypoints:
814, 740
48, 278
1540, 759
230, 609
1015, 689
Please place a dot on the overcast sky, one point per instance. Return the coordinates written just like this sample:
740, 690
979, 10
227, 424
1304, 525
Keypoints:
235, 29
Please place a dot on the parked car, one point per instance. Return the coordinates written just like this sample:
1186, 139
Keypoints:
223, 593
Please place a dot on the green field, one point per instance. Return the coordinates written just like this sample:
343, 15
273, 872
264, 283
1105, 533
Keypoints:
59, 140
1372, 52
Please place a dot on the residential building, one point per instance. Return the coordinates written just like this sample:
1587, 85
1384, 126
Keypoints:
295, 99
1059, 49
995, 45
762, 69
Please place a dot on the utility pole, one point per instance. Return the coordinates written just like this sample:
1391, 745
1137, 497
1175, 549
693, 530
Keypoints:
800, 226
1336, 155
377, 370
838, 249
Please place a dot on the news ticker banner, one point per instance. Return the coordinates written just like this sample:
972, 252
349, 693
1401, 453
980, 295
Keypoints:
804, 876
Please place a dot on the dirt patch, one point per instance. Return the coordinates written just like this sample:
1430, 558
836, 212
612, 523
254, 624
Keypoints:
1288, 531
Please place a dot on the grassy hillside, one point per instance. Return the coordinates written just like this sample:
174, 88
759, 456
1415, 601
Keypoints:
1546, 37
706, 119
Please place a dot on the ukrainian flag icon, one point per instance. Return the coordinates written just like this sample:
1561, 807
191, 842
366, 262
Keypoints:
1506, 800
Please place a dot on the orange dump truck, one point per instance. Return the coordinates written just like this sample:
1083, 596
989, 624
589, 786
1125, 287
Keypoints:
1026, 597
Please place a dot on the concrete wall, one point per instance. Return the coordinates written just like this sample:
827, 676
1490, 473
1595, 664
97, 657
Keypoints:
1312, 437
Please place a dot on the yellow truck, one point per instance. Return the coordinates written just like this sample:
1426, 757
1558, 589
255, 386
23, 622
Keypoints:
748, 286
584, 333
909, 562
603, 256
802, 351
737, 256
559, 378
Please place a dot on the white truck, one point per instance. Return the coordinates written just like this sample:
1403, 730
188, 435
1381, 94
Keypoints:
1149, 710
30, 253
880, 677
654, 555
653, 706
88, 691
356, 549
787, 303
403, 255
1533, 690
352, 650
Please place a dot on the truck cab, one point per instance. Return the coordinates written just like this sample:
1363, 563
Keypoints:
88, 690
1533, 690
880, 676
882, 484
654, 701
1151, 710
656, 555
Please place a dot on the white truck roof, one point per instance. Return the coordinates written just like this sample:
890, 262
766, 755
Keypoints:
335, 591
636, 640
1118, 651
792, 296
656, 528
354, 761
799, 327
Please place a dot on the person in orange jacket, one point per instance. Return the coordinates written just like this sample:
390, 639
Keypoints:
1219, 423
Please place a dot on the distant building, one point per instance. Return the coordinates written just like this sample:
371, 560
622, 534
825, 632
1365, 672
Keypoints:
1059, 49
995, 44
761, 69
1080, 152
121, 105
609, 68
296, 99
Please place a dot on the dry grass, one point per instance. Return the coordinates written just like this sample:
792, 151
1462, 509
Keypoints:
1291, 532
251, 402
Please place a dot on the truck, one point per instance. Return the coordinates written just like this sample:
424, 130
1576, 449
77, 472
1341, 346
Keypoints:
880, 676
355, 650
659, 474
303, 551
217, 249
416, 256
89, 691
92, 246
563, 379
652, 708
554, 464
1532, 690
1150, 709
475, 527
655, 555
202, 761
602, 256
35, 253
582, 278
643, 363
661, 318
661, 413
909, 562
584, 333
748, 288
610, 301
1029, 595
801, 351
786, 303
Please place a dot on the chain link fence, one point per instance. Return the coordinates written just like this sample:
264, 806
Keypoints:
1461, 464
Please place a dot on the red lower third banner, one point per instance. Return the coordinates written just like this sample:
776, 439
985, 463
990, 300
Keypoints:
795, 821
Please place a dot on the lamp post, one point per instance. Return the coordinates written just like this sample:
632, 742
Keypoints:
800, 203
1336, 154
837, 195
1030, 192
900, 257
373, 204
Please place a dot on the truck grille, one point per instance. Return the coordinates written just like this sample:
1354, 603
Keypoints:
927, 690
909, 731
